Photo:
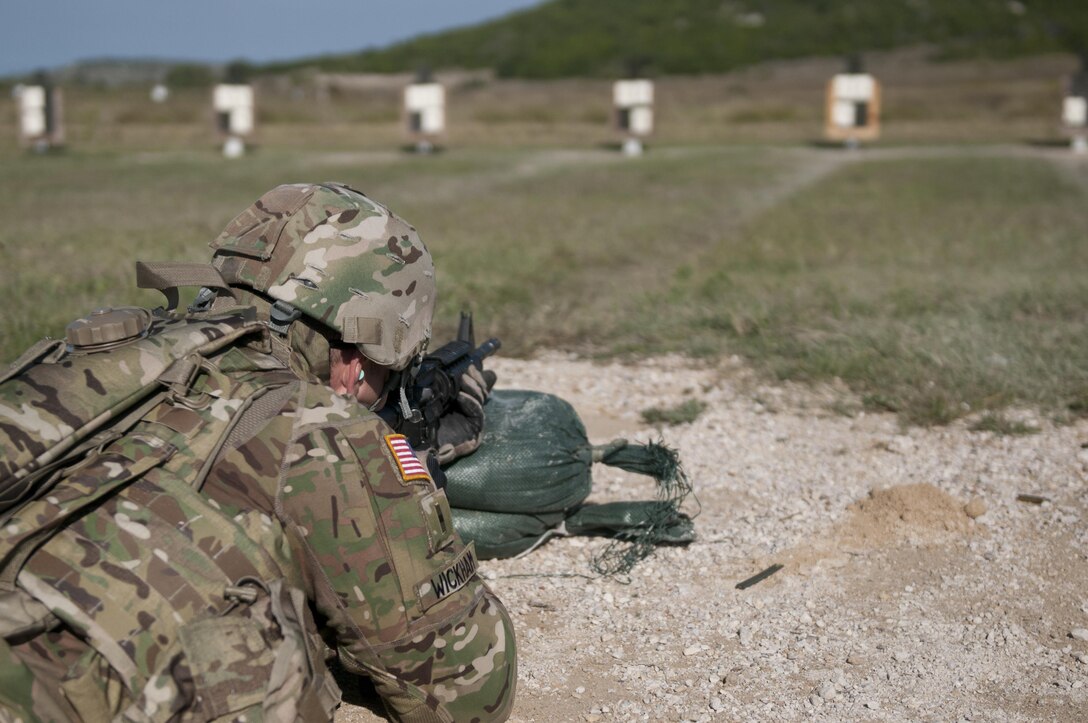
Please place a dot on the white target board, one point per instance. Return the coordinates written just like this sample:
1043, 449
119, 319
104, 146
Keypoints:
425, 108
233, 105
851, 95
632, 93
634, 106
1075, 111
857, 87
32, 120
853, 107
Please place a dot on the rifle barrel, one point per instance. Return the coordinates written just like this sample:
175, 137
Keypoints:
488, 348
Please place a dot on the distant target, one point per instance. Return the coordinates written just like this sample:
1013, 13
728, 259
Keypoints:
40, 112
234, 115
633, 112
1075, 109
852, 110
425, 114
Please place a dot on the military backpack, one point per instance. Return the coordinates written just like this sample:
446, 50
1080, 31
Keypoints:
120, 584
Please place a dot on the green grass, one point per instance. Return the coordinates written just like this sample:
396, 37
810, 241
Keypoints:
1000, 424
685, 412
933, 287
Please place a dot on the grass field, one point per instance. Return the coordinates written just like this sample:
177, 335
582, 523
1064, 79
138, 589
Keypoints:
933, 282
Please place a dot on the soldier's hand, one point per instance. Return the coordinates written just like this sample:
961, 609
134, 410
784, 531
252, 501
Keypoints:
460, 429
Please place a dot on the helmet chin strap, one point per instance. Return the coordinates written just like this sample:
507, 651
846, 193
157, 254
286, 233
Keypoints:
406, 410
391, 381
400, 380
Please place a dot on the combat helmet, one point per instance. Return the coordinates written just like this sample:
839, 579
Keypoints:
329, 255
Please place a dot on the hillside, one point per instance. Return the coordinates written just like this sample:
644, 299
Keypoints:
604, 38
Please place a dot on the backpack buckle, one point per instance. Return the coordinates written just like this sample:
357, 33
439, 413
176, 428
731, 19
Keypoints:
240, 593
281, 316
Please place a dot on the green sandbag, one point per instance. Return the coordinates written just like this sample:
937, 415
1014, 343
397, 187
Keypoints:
501, 534
637, 528
534, 457
532, 474
625, 519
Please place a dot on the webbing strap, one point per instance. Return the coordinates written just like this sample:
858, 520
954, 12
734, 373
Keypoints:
182, 372
318, 699
46, 349
168, 276
244, 424
164, 275
100, 639
64, 454
38, 520
23, 616
262, 409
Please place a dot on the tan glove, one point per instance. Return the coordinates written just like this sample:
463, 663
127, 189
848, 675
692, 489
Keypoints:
461, 429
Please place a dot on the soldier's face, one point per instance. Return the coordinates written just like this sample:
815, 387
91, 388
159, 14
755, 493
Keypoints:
353, 375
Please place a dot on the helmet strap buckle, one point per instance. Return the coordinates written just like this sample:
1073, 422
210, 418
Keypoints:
281, 316
203, 301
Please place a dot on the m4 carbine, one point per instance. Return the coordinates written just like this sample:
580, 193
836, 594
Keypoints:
434, 388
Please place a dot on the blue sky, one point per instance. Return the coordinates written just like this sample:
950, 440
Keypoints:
48, 33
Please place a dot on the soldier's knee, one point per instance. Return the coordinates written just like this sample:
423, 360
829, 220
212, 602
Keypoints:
465, 669
480, 667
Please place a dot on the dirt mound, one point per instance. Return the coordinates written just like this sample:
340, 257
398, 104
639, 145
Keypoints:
917, 514
916, 511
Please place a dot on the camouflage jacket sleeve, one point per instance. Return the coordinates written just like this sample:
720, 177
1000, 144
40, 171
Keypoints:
382, 561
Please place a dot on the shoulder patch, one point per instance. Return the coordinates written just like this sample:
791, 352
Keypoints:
411, 469
451, 578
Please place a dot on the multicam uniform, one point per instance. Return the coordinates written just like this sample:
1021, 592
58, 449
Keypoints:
380, 556
124, 591
170, 584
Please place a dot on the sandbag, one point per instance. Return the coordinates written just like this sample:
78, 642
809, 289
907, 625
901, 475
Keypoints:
533, 458
530, 478
503, 534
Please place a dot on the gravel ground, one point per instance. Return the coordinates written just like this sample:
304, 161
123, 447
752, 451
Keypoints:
915, 585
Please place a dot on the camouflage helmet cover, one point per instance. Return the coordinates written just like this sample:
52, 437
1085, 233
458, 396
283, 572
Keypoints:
341, 259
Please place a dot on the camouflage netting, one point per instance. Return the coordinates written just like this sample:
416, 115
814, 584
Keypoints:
532, 474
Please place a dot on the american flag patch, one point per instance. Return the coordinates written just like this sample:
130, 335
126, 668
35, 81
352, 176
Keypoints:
410, 467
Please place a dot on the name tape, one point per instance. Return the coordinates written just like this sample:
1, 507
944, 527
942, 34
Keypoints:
449, 579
